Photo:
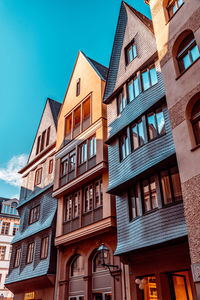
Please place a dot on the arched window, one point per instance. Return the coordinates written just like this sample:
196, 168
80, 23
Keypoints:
187, 53
77, 266
173, 6
195, 120
97, 260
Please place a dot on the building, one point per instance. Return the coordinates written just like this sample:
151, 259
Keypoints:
33, 260
86, 213
143, 171
177, 32
9, 224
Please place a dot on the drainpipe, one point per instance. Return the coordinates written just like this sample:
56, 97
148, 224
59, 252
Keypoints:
124, 275
57, 270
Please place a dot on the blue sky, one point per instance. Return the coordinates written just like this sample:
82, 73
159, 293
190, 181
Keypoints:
39, 42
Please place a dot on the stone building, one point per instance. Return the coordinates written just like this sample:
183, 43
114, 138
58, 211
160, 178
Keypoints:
9, 224
86, 213
33, 261
143, 170
177, 31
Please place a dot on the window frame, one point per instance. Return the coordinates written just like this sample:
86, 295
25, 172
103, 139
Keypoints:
17, 259
34, 211
50, 166
169, 5
78, 87
124, 139
154, 113
71, 265
30, 252
38, 176
123, 102
4, 253
195, 118
131, 45
45, 244
5, 228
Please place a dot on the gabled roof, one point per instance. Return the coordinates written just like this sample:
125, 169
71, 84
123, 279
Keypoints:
101, 70
55, 108
118, 44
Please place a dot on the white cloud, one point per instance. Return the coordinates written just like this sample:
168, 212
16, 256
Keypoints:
9, 174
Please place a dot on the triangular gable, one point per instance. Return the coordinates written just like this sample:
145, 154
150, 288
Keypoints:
131, 23
48, 119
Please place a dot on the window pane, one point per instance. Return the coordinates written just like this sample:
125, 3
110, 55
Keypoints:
146, 194
77, 116
130, 54
153, 75
141, 133
134, 51
180, 2
77, 267
135, 137
186, 61
195, 53
151, 126
196, 128
86, 109
160, 122
166, 189
121, 102
130, 91
124, 146
176, 184
134, 203
136, 87
174, 8
145, 80
154, 197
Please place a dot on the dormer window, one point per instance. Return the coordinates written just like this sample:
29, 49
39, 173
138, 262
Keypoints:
34, 214
78, 87
130, 52
43, 140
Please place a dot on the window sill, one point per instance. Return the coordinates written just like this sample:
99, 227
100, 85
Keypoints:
151, 211
172, 204
195, 148
68, 221
187, 68
134, 219
174, 14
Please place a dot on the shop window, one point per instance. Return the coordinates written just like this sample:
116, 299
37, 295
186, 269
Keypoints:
148, 287
30, 252
195, 120
38, 176
77, 266
2, 252
97, 261
156, 124
150, 196
44, 247
17, 257
134, 202
173, 6
180, 286
187, 53
124, 145
34, 214
130, 52
5, 228
121, 102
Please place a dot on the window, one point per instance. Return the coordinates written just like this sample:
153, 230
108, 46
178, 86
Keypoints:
134, 88
195, 120
72, 207
50, 166
34, 214
156, 124
98, 193
44, 248
173, 6
121, 102
42, 140
13, 208
17, 257
38, 145
124, 146
93, 195
149, 78
88, 198
137, 132
130, 52
77, 266
78, 86
15, 228
30, 252
149, 290
86, 109
77, 117
48, 136
187, 53
76, 298
97, 260
68, 209
171, 185
134, 206
5, 228
68, 126
83, 153
2, 252
68, 163
6, 208
150, 197
92, 146
38, 176
180, 285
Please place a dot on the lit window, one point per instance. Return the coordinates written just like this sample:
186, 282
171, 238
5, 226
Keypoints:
121, 102
34, 214
173, 6
195, 119
77, 266
30, 252
5, 228
17, 257
2, 252
38, 176
130, 52
44, 247
124, 146
187, 53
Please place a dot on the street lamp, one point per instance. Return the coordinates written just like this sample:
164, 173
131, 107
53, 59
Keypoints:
104, 252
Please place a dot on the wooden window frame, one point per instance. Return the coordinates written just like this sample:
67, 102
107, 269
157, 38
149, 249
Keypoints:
170, 4
154, 113
72, 216
137, 208
150, 193
5, 227
124, 139
34, 211
123, 101
4, 252
195, 118
126, 51
38, 176
78, 87
38, 144
48, 136
30, 253
51, 166
44, 243
17, 257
